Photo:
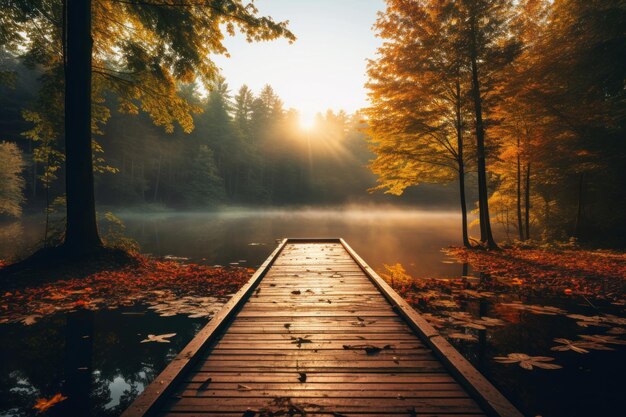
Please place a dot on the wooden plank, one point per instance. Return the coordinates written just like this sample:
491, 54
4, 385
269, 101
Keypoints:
380, 393
149, 400
323, 386
337, 377
341, 405
485, 393
315, 299
404, 413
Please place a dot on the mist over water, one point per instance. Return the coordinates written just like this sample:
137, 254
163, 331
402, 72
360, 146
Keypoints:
380, 234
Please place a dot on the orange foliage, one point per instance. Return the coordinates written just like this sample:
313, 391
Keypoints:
596, 274
149, 283
43, 404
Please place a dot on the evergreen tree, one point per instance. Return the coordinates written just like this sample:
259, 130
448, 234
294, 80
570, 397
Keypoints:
141, 49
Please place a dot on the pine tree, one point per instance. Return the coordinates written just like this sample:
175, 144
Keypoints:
140, 50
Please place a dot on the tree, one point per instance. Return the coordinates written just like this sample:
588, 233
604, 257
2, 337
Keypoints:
418, 90
220, 135
138, 49
560, 113
203, 186
578, 67
243, 109
489, 47
11, 181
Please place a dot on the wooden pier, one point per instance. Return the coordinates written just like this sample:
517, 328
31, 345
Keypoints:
317, 332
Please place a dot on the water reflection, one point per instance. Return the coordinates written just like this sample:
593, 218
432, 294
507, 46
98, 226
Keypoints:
94, 358
381, 236
36, 362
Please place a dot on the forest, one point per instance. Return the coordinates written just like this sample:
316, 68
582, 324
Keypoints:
540, 83
243, 149
178, 211
529, 95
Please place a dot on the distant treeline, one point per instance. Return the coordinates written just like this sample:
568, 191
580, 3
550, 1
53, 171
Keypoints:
243, 149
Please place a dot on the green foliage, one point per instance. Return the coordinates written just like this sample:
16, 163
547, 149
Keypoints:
142, 52
238, 153
203, 187
11, 181
112, 229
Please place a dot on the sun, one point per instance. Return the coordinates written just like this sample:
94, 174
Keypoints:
306, 121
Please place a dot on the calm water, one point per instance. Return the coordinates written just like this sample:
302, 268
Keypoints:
35, 357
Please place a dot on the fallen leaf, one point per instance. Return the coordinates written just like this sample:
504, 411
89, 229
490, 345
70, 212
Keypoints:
43, 404
528, 362
205, 384
369, 349
463, 336
161, 338
300, 340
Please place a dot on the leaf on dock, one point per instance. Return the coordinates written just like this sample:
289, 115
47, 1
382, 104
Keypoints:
205, 384
369, 349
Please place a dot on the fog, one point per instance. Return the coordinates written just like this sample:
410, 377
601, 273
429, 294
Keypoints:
381, 234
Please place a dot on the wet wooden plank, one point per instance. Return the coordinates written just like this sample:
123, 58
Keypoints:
318, 331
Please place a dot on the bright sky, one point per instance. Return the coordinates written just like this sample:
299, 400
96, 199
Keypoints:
324, 68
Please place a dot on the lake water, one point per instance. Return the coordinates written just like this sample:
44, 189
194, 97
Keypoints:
35, 357
380, 235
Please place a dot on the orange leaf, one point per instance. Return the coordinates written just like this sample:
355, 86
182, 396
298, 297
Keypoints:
43, 404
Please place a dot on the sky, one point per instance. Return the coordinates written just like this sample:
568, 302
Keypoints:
324, 68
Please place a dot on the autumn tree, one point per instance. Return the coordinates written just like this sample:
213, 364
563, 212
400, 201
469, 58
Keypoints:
578, 68
11, 180
138, 49
419, 93
560, 116
488, 44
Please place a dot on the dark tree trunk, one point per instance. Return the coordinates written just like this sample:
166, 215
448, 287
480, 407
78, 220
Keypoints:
527, 214
579, 212
461, 164
158, 178
486, 235
81, 235
520, 228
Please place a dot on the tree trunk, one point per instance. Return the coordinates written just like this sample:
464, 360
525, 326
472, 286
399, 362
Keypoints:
486, 235
461, 164
81, 235
520, 228
34, 178
579, 212
527, 214
158, 178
